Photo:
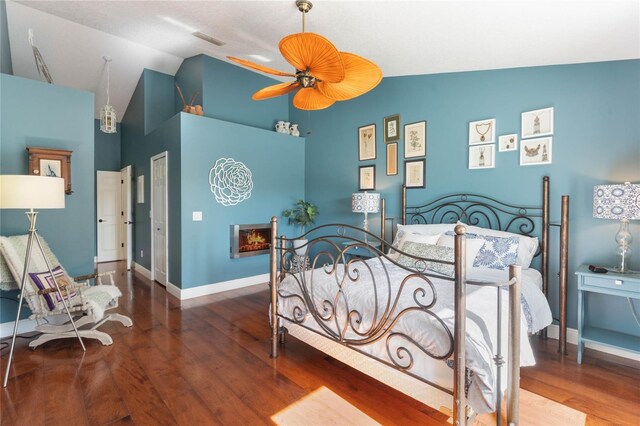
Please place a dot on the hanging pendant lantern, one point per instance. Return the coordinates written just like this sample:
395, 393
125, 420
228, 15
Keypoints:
107, 113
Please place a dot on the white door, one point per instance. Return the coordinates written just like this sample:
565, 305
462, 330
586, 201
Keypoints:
108, 212
159, 218
126, 222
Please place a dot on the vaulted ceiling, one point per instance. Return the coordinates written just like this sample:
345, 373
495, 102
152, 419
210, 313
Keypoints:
402, 37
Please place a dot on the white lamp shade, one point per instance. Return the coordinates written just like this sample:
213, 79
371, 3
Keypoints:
365, 202
31, 192
617, 201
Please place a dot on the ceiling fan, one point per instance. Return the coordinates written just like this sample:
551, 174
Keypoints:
323, 74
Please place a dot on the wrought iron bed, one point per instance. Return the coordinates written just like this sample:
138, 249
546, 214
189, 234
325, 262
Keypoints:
334, 322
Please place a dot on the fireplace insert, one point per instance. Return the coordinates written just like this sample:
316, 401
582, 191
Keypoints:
250, 240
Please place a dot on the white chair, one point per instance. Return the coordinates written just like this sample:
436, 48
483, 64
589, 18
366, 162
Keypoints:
86, 303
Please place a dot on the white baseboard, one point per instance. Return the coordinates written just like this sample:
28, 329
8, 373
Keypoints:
204, 290
572, 337
144, 271
24, 326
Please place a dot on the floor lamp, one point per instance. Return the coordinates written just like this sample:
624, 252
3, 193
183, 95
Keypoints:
32, 192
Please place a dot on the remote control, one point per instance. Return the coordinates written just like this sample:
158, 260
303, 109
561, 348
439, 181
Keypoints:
597, 269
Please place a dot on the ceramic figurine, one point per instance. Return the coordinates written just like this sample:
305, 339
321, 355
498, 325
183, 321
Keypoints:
280, 127
293, 131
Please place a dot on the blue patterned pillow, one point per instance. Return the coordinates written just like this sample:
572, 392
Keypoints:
496, 252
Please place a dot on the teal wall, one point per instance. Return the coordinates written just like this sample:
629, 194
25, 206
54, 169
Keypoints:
137, 148
6, 66
49, 116
225, 92
276, 162
596, 141
199, 251
107, 149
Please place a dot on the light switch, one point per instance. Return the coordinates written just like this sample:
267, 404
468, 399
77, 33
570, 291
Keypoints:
197, 216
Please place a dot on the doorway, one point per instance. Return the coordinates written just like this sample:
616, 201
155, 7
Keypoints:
159, 218
108, 212
126, 222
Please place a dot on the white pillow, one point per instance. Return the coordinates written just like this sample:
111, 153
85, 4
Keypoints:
414, 238
527, 248
473, 247
426, 229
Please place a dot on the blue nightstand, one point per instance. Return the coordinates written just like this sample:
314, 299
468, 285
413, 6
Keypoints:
361, 252
613, 284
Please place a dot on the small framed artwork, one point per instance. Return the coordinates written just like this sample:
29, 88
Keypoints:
140, 190
367, 142
367, 180
482, 131
414, 173
415, 139
535, 152
508, 143
51, 162
392, 159
537, 123
482, 157
392, 128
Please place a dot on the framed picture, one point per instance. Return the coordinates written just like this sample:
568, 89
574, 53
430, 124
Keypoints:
482, 156
392, 159
535, 152
51, 162
367, 142
508, 143
537, 123
414, 173
367, 181
415, 139
392, 128
483, 131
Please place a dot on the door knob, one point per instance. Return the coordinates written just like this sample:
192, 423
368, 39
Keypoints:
128, 222
101, 220
158, 229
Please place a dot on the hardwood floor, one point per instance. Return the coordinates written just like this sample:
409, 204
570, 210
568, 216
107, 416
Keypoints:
206, 361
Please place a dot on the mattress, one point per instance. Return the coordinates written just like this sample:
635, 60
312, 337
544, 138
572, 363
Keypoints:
337, 291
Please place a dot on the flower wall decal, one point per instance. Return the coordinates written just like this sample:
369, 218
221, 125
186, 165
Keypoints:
230, 181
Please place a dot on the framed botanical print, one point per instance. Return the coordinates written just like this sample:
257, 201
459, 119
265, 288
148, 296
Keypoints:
367, 178
414, 173
51, 162
392, 128
367, 142
392, 159
415, 139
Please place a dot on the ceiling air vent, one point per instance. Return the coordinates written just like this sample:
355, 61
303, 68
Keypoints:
208, 38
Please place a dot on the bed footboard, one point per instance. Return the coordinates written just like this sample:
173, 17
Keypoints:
353, 328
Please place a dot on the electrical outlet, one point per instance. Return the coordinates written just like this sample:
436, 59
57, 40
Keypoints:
197, 216
141, 253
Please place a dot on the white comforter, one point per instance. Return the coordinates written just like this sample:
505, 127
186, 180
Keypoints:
481, 341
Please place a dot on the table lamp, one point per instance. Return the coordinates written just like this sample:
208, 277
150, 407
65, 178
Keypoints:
365, 202
32, 192
621, 202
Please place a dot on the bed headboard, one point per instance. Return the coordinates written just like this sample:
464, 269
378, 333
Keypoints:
487, 212
481, 210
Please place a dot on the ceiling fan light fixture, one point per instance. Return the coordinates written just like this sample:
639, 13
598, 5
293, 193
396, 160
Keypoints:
323, 75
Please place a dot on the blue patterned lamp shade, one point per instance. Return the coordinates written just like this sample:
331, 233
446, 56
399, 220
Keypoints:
617, 201
365, 202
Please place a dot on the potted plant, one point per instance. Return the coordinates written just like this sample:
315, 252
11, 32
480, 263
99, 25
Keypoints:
302, 214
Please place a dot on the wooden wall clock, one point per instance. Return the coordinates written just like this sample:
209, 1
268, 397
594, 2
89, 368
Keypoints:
51, 162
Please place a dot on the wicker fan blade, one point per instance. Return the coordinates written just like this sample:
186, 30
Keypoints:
309, 51
311, 99
275, 90
361, 75
260, 68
